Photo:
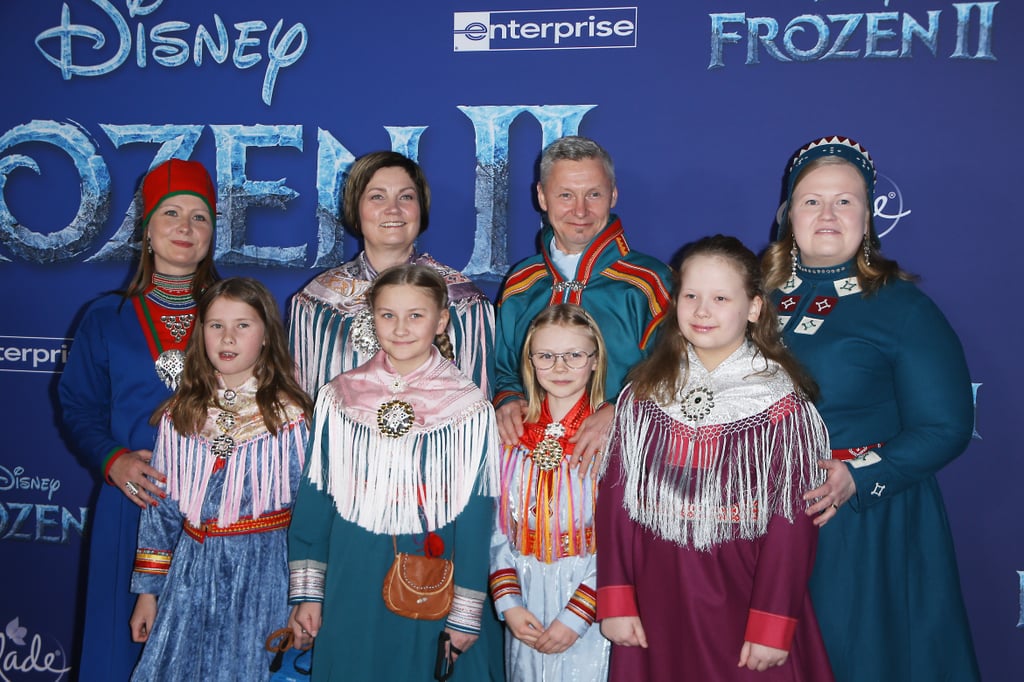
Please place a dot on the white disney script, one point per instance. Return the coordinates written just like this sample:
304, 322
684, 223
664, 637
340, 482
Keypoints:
170, 43
15, 480
33, 660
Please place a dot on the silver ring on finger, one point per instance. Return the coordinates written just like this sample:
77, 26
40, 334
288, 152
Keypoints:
835, 506
132, 488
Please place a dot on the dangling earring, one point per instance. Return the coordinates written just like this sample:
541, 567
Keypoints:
867, 251
149, 245
793, 258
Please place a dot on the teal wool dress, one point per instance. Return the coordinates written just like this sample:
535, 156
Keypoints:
895, 389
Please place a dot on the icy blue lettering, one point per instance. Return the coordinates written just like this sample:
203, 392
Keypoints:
219, 50
332, 162
836, 51
963, 21
236, 193
877, 33
94, 183
912, 29
278, 55
242, 60
720, 37
167, 50
795, 26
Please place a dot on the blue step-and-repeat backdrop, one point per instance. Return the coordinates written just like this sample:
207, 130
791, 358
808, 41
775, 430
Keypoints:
700, 102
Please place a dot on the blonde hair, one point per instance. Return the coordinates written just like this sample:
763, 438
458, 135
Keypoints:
569, 316
422, 277
873, 269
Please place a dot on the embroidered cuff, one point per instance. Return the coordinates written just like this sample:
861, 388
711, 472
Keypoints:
504, 583
770, 629
306, 581
616, 600
467, 608
109, 460
583, 603
152, 561
505, 396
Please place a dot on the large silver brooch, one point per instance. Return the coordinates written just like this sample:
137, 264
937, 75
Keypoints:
548, 453
364, 333
698, 403
395, 418
168, 367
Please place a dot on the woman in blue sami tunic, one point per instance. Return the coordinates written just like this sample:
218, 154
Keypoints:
896, 398
125, 361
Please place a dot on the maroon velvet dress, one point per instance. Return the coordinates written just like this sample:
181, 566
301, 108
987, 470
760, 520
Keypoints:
702, 528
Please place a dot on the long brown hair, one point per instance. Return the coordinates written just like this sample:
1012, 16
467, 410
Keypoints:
777, 260
274, 371
422, 277
569, 316
663, 373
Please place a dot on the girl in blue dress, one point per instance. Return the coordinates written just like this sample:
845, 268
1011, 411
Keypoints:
211, 565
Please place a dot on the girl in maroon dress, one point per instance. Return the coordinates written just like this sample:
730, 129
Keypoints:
705, 547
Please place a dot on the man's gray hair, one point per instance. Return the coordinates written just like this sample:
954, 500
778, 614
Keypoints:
575, 148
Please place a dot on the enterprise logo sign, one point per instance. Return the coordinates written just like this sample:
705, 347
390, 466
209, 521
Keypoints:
36, 354
545, 29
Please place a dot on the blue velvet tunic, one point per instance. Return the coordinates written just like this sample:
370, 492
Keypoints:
891, 370
108, 392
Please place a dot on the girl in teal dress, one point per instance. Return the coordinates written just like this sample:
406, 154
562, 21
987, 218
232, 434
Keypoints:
402, 458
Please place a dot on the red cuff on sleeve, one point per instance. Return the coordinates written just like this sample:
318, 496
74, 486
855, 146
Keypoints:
770, 629
111, 458
616, 600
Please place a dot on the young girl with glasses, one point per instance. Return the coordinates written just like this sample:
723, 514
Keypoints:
543, 565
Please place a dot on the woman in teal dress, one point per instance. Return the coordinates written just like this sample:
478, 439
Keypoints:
896, 398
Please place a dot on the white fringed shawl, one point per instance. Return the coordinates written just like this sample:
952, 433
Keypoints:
736, 447
379, 482
260, 461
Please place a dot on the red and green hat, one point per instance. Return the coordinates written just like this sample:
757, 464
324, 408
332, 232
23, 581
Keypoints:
177, 177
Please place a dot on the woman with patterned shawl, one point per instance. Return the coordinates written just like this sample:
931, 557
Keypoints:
386, 202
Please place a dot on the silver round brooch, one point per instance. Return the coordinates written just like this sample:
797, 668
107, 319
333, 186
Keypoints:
698, 403
395, 418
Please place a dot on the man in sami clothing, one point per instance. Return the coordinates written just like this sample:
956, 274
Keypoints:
584, 259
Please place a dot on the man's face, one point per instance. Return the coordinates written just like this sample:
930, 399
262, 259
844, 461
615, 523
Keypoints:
578, 197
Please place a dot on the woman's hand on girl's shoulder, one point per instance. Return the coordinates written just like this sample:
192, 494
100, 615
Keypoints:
624, 631
590, 440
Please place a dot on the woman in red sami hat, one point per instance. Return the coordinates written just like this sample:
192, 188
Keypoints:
126, 359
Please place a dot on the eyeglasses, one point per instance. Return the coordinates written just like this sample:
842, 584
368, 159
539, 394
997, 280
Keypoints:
574, 359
